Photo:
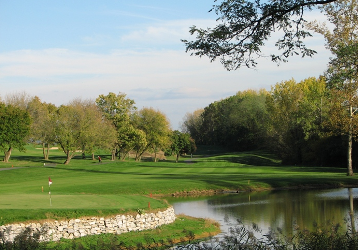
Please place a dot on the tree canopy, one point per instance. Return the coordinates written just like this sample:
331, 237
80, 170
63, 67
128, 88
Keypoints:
342, 72
245, 26
14, 128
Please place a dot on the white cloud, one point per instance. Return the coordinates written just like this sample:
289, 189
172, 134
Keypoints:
169, 80
166, 32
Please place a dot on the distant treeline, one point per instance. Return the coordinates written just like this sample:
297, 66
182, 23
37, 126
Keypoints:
111, 122
304, 122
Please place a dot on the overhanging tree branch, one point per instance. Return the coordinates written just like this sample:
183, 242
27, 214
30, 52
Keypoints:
244, 28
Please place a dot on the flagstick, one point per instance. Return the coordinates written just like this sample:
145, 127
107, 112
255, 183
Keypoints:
49, 188
49, 191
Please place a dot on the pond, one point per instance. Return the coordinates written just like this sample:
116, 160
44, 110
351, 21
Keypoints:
285, 209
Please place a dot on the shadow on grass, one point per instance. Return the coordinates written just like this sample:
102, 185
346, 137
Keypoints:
253, 160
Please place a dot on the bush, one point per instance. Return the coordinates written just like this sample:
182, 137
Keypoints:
240, 237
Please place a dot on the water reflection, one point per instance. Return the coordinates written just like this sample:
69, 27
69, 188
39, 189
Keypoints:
276, 209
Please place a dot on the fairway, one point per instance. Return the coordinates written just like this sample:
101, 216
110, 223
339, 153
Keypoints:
120, 186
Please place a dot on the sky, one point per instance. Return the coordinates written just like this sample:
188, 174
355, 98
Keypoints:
62, 50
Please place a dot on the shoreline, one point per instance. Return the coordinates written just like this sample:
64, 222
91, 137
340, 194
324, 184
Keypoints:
198, 193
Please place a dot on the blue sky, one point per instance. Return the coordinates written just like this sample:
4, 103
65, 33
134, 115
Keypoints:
61, 50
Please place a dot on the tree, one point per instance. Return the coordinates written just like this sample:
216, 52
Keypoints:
156, 127
79, 128
117, 109
131, 138
18, 99
99, 132
238, 122
342, 72
296, 113
66, 124
192, 123
181, 143
41, 129
245, 26
14, 128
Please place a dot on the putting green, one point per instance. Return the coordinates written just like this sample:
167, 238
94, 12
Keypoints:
85, 201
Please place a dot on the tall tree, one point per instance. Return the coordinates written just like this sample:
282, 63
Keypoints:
245, 26
41, 128
18, 99
99, 133
238, 122
117, 109
296, 114
181, 143
79, 128
342, 73
192, 123
156, 127
67, 129
14, 129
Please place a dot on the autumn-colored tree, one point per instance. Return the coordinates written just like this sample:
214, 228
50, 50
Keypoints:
342, 73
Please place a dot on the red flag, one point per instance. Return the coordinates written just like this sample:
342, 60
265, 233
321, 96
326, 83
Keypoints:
49, 181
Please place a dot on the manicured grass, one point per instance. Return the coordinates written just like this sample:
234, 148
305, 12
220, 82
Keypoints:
86, 185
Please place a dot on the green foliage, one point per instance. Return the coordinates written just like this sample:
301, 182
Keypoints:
14, 129
296, 114
118, 109
244, 27
238, 122
156, 128
181, 143
118, 186
241, 237
26, 240
192, 123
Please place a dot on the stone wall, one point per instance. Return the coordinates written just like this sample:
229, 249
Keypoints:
54, 231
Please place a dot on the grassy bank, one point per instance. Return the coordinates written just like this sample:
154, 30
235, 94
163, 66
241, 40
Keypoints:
85, 187
184, 229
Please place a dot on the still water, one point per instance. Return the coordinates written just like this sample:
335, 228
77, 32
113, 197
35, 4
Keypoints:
284, 209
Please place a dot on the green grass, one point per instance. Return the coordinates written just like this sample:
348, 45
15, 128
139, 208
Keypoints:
84, 186
184, 229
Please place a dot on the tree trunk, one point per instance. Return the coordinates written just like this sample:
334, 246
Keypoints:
138, 156
93, 159
177, 159
68, 153
155, 156
83, 152
47, 151
113, 155
7, 154
350, 144
43, 150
